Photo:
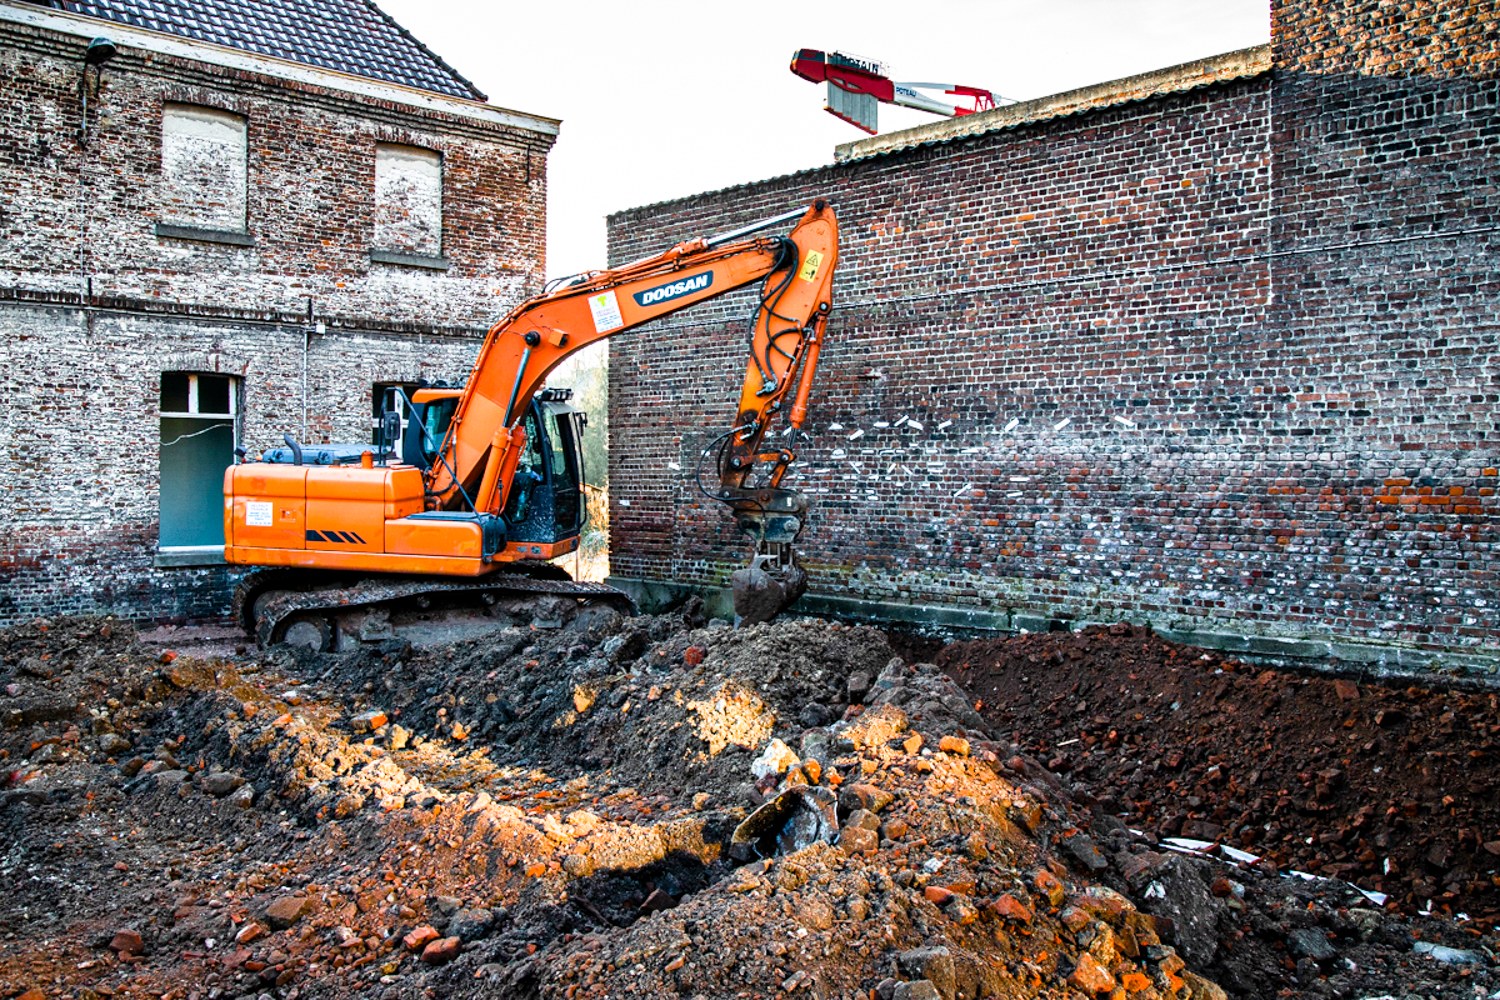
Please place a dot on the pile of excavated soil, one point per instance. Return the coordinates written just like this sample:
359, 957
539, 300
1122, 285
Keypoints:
1387, 785
554, 814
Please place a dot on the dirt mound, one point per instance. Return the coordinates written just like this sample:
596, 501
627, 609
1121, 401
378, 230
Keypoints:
563, 813
1387, 786
666, 704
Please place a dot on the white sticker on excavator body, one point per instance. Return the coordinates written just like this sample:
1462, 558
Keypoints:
606, 311
258, 514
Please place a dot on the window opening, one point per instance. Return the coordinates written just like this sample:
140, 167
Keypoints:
204, 168
199, 432
408, 200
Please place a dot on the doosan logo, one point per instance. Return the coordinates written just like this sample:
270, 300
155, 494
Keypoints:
675, 290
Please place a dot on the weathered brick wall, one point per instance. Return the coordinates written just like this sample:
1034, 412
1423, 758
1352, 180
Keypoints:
79, 456
310, 203
1220, 361
303, 317
1386, 227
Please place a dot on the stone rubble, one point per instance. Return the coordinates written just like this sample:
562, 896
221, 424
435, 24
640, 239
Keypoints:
582, 837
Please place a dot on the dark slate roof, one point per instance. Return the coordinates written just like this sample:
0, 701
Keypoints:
349, 36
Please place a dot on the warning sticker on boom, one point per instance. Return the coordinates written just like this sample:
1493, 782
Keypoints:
810, 265
258, 513
606, 311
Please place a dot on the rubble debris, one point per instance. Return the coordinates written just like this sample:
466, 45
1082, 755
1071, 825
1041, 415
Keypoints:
591, 847
797, 817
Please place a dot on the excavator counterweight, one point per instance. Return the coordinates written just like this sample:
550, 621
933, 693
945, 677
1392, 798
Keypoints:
455, 516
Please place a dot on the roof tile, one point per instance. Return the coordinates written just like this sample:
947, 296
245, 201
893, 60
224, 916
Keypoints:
349, 36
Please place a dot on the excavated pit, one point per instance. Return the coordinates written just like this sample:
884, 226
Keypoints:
553, 813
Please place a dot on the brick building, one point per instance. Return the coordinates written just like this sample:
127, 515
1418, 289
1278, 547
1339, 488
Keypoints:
1212, 348
246, 221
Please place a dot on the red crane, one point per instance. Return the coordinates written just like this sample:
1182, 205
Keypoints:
857, 87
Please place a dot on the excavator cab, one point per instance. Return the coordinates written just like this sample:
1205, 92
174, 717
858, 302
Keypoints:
546, 503
546, 499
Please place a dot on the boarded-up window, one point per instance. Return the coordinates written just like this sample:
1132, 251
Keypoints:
199, 431
408, 200
203, 167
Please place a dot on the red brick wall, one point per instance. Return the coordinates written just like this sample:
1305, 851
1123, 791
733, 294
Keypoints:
1245, 335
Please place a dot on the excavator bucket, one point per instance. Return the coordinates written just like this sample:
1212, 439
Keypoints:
773, 581
766, 588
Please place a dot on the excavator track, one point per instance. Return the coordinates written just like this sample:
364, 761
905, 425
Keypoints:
328, 612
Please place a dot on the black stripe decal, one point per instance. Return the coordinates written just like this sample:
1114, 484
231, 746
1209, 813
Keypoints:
357, 539
313, 536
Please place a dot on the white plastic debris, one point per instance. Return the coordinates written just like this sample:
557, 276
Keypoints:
1446, 955
1065, 421
1011, 425
776, 759
945, 425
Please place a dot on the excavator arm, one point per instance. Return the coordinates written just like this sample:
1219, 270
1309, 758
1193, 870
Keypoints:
784, 336
522, 349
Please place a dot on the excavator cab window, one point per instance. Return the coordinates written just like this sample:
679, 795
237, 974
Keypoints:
425, 426
545, 503
530, 474
566, 459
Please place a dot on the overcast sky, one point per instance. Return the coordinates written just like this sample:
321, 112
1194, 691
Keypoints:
663, 99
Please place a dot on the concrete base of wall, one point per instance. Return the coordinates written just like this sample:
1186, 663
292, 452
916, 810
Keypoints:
1327, 653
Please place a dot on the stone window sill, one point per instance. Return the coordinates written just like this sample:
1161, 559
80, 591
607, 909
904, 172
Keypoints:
181, 556
409, 259
228, 237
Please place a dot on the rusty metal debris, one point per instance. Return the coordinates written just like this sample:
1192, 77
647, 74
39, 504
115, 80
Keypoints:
798, 817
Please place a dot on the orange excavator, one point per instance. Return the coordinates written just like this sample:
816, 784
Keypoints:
446, 527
